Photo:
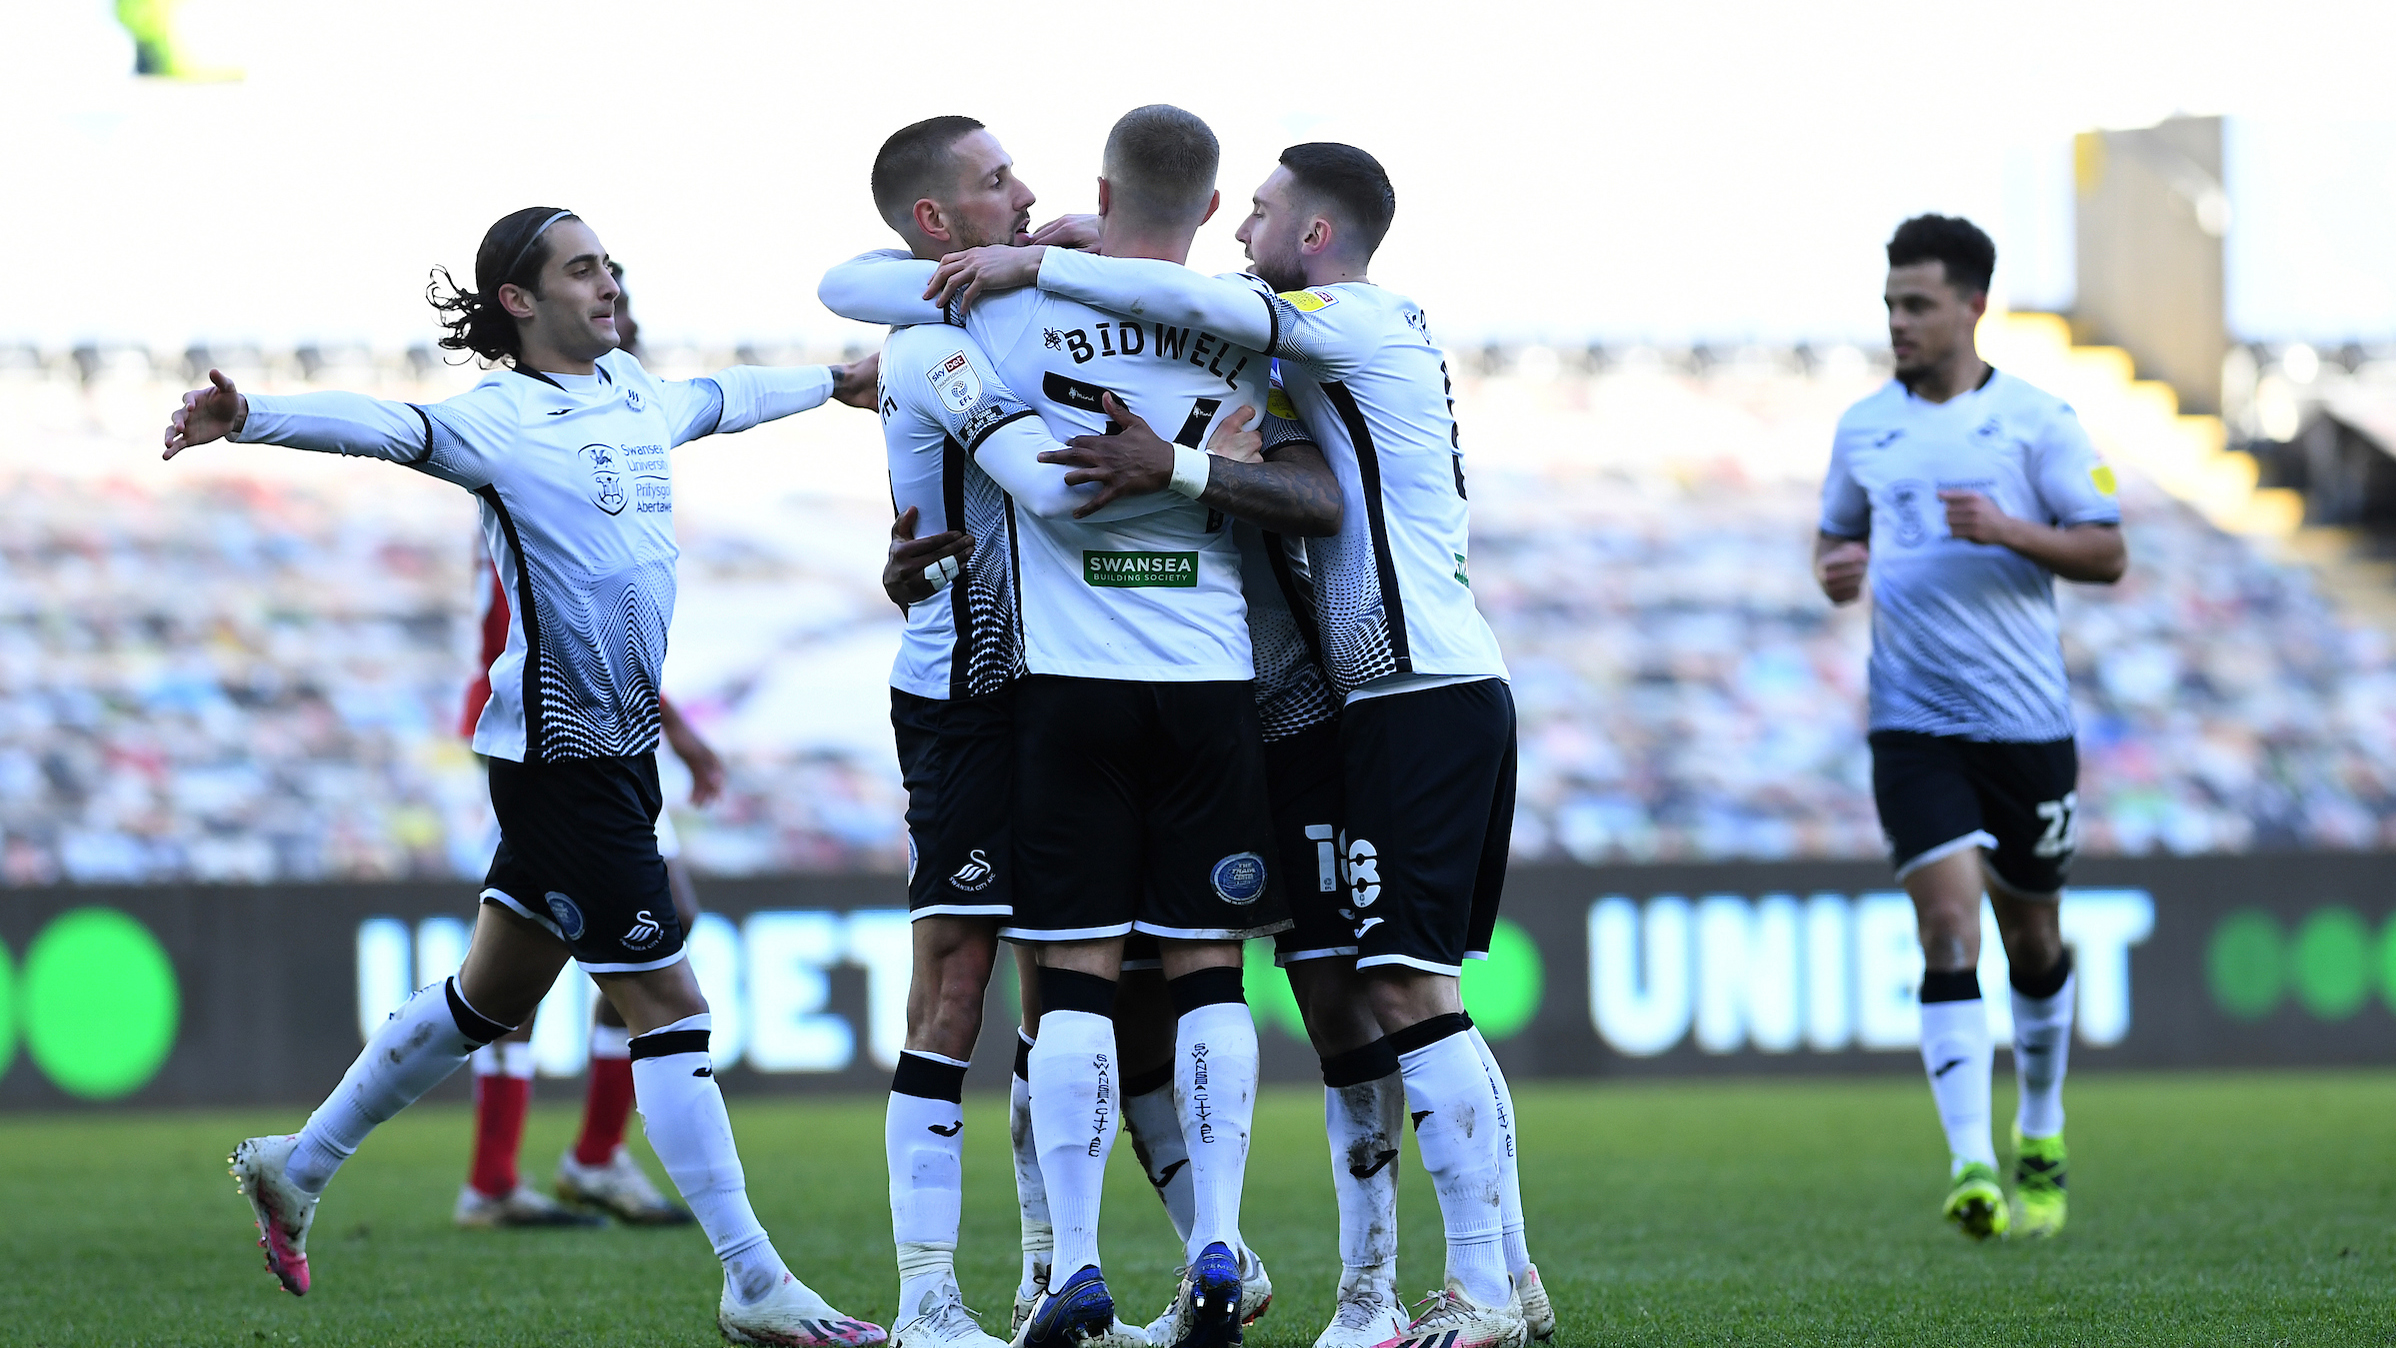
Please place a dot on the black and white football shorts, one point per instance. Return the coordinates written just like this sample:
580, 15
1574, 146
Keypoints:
578, 854
1939, 794
1430, 816
957, 758
1140, 806
1303, 777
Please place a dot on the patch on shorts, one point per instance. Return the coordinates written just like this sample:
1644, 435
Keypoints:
1240, 878
644, 932
569, 917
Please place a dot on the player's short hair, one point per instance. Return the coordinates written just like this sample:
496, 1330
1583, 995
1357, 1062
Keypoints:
917, 161
1351, 183
513, 252
1969, 256
1160, 164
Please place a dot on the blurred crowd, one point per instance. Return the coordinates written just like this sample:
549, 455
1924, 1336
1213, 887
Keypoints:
225, 679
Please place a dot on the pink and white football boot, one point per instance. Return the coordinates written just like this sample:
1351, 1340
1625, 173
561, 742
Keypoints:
284, 1211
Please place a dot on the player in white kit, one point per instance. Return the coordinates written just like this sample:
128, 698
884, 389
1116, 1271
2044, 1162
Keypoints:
567, 446
1140, 802
1963, 492
1427, 729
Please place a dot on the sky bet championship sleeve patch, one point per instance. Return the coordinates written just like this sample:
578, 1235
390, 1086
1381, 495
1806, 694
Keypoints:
1307, 301
1278, 404
1135, 570
2102, 476
958, 383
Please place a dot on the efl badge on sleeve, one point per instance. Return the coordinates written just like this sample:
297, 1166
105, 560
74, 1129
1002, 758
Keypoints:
957, 382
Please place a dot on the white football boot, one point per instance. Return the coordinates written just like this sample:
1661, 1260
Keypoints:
283, 1210
1451, 1319
1538, 1315
1369, 1312
792, 1316
940, 1320
620, 1188
519, 1207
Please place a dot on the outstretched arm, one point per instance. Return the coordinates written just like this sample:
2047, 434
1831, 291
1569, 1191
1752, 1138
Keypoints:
332, 423
884, 286
1165, 292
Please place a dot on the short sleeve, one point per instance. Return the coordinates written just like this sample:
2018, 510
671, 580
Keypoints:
1846, 507
1331, 336
2073, 484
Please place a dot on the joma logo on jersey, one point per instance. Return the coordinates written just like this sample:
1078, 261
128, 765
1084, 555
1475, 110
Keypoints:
1134, 570
1161, 341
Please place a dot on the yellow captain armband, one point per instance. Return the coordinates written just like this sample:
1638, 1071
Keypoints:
2102, 476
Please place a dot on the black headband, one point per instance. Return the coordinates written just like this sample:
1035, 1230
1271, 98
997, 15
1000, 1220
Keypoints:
522, 252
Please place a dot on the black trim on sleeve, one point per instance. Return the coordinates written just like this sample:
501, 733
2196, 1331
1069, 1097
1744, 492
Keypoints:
721, 402
526, 614
423, 416
1272, 316
1368, 468
986, 432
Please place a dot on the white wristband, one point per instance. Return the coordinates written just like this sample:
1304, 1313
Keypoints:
1190, 467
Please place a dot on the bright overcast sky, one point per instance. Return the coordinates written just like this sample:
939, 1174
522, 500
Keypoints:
1671, 172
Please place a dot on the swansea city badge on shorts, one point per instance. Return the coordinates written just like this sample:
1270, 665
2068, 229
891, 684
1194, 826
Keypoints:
976, 874
1240, 878
644, 931
569, 917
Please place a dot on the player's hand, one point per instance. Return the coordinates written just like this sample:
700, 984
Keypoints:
1975, 518
902, 575
1840, 570
1133, 461
210, 413
1234, 441
858, 383
706, 769
1068, 231
967, 276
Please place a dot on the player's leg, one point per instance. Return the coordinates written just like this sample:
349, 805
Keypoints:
924, 1129
2029, 791
510, 962
599, 1170
1423, 772
1031, 1190
1932, 816
1078, 862
1144, 1033
957, 760
495, 1194
1210, 886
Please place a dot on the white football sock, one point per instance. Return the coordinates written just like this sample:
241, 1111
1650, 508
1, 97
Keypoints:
1957, 1055
1518, 1251
1448, 1092
1031, 1191
682, 1111
2042, 1048
1214, 1088
414, 1051
1155, 1126
1075, 1114
923, 1143
1366, 1123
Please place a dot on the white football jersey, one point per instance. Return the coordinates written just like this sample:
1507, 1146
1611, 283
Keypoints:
1964, 636
577, 494
1292, 692
1153, 597
1364, 380
963, 641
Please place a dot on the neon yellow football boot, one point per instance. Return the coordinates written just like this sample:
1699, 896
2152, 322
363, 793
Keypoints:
1977, 1202
2039, 1204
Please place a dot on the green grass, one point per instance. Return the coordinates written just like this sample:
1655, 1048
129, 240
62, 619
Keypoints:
2217, 1209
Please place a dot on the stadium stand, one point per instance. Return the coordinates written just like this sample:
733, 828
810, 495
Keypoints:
253, 673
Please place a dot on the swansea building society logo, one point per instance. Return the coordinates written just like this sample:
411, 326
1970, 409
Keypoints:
1138, 570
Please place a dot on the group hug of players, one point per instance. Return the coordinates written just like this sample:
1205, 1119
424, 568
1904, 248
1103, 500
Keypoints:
1191, 658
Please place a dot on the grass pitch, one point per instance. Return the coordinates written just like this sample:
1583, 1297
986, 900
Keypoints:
2219, 1209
